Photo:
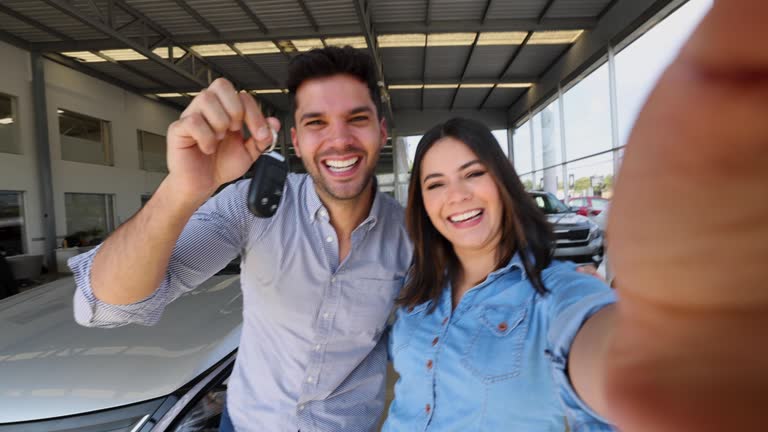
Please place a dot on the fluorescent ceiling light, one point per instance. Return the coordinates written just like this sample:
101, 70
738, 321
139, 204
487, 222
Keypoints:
450, 39
269, 91
193, 94
162, 52
265, 47
213, 50
478, 85
501, 38
406, 86
353, 41
514, 85
123, 54
307, 44
6, 120
402, 40
84, 56
441, 86
169, 95
59, 111
559, 37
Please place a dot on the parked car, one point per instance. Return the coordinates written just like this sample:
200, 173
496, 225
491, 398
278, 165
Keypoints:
595, 208
58, 376
577, 238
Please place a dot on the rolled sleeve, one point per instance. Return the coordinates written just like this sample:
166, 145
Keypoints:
561, 335
89, 311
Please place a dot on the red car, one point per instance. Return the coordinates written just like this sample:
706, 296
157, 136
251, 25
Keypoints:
589, 205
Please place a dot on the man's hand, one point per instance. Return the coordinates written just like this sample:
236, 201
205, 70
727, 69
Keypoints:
690, 352
206, 146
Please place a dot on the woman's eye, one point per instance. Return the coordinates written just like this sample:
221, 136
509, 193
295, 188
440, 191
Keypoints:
475, 174
433, 186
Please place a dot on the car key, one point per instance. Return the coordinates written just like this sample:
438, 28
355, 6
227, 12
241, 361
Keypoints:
269, 175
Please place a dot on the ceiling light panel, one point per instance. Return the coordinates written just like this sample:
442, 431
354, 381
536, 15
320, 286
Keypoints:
264, 47
307, 44
353, 41
501, 38
564, 37
402, 40
451, 39
213, 50
83, 56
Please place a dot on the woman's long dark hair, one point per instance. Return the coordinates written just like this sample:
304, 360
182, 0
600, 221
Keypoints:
524, 227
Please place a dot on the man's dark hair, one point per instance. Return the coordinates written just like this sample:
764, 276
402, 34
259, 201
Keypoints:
524, 228
329, 61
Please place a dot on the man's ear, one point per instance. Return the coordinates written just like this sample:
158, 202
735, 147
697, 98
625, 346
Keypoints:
295, 142
384, 133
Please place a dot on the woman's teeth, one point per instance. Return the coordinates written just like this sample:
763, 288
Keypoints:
341, 165
465, 216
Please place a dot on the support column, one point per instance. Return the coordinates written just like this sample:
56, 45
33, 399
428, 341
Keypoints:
43, 151
548, 146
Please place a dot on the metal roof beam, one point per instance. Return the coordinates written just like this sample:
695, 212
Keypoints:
344, 30
69, 10
308, 14
515, 55
29, 21
365, 21
546, 9
485, 13
247, 10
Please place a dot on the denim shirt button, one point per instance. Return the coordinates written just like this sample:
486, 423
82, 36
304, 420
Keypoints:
503, 326
429, 364
428, 408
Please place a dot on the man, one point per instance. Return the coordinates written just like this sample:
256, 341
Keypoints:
318, 278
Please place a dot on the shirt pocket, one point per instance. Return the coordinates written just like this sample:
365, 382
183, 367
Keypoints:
494, 353
365, 306
408, 320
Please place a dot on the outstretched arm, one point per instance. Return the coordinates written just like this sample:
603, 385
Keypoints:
688, 348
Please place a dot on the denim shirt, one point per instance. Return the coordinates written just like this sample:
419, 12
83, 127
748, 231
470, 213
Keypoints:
312, 356
498, 361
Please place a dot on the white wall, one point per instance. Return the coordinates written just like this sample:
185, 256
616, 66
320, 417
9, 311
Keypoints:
74, 91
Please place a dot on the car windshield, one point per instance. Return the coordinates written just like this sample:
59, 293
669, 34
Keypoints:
549, 204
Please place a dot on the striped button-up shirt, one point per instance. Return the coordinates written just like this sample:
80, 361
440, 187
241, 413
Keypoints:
312, 356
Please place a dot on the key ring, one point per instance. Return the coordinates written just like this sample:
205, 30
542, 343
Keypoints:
274, 141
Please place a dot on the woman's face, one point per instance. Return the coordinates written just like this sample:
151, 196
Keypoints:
461, 197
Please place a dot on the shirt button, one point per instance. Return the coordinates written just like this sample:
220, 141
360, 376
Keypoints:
326, 315
329, 239
310, 379
317, 347
301, 407
323, 213
429, 364
434, 341
333, 280
503, 326
428, 408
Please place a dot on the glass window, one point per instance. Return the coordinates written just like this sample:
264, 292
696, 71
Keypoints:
152, 152
592, 176
588, 116
522, 149
577, 202
90, 217
503, 139
538, 148
599, 204
527, 180
639, 65
11, 223
552, 149
84, 139
8, 125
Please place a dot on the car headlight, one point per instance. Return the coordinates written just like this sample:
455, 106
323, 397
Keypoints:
594, 231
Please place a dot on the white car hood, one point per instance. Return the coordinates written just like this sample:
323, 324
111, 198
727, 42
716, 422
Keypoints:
567, 219
51, 367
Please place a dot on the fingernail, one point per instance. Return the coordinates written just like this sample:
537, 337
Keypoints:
220, 136
262, 133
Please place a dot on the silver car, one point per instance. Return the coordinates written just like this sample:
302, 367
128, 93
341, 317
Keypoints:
576, 237
58, 376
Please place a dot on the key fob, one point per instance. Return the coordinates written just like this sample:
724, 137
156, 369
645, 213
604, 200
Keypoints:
269, 174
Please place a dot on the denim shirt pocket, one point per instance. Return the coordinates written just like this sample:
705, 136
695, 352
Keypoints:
408, 320
495, 351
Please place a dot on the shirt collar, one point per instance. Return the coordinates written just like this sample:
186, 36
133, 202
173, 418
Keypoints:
315, 207
515, 262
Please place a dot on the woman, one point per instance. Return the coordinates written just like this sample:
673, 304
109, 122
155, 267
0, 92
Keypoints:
488, 318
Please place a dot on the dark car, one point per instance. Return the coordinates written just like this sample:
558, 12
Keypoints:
577, 238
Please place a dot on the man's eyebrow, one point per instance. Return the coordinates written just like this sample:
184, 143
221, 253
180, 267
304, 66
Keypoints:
463, 167
310, 115
361, 109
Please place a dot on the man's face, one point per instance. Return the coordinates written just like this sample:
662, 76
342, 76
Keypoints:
338, 135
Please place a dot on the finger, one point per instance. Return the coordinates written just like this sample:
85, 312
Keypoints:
196, 127
231, 103
210, 106
257, 124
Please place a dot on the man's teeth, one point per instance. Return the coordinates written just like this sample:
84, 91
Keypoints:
464, 216
341, 165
